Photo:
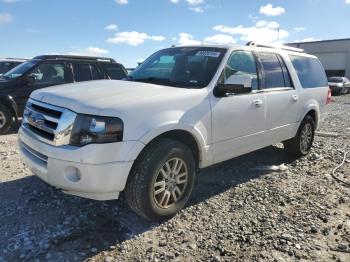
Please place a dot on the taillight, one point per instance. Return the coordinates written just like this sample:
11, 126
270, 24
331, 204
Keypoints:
329, 96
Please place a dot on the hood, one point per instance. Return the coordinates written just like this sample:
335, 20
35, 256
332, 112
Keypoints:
107, 96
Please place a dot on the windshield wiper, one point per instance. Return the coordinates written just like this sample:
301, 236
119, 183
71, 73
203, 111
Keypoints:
154, 80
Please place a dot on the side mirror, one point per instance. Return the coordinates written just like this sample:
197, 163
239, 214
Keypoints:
30, 79
235, 84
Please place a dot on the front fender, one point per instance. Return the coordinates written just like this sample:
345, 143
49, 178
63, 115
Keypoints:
198, 132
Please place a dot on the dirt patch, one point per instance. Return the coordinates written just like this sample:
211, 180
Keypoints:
238, 211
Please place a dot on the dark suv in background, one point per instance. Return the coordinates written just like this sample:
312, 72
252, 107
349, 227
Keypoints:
43, 71
6, 64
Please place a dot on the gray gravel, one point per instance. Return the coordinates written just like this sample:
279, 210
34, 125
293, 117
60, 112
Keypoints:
263, 206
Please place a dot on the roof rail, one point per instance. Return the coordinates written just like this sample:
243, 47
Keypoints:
75, 57
283, 47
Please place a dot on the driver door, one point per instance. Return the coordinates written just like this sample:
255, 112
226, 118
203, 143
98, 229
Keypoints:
238, 121
44, 75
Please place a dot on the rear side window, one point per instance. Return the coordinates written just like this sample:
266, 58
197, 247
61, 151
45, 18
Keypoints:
114, 71
85, 72
274, 75
310, 71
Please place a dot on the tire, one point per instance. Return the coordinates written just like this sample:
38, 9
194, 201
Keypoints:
6, 120
142, 194
301, 144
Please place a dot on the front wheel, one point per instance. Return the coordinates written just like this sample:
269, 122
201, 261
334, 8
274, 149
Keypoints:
6, 120
301, 144
161, 180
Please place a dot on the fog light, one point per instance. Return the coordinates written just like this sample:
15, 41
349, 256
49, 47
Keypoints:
73, 174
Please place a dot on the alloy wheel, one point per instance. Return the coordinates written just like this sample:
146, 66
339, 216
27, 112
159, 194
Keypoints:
170, 183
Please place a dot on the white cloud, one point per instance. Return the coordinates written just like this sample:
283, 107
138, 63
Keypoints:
90, 51
174, 1
197, 9
111, 27
298, 29
269, 10
6, 19
121, 2
195, 2
220, 39
262, 32
308, 39
347, 1
133, 38
187, 39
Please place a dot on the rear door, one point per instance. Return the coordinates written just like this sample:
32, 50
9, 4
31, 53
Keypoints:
281, 97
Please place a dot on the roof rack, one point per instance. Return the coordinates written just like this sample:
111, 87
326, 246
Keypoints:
283, 47
75, 57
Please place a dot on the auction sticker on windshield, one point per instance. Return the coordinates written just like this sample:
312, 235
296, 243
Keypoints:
208, 53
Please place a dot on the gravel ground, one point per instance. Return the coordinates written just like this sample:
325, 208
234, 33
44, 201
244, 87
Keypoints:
239, 211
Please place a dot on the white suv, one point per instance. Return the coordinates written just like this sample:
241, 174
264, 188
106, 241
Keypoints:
184, 108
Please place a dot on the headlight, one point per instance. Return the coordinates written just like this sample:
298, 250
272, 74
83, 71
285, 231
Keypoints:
90, 129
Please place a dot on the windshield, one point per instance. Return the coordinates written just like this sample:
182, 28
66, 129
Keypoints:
335, 79
19, 70
192, 67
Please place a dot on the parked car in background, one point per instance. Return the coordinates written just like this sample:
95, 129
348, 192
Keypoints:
339, 85
184, 108
6, 64
42, 71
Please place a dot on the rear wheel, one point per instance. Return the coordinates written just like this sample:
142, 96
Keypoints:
6, 119
161, 180
301, 144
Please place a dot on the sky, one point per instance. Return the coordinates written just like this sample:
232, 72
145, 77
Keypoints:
131, 30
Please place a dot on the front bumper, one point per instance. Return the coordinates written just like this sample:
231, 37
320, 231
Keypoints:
97, 171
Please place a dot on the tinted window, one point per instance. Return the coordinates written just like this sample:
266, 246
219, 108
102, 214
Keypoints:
82, 72
114, 71
181, 66
49, 74
336, 79
95, 73
20, 70
241, 63
7, 66
286, 75
310, 71
274, 76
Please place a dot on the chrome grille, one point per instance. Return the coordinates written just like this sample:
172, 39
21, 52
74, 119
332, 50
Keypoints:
48, 123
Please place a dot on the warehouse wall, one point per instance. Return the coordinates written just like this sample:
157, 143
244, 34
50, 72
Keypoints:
334, 54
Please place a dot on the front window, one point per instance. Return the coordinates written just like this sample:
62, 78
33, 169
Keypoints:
20, 70
49, 74
191, 67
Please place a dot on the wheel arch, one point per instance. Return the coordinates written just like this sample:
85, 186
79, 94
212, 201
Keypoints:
313, 111
192, 138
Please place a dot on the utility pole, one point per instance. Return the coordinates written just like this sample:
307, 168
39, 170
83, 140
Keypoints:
278, 34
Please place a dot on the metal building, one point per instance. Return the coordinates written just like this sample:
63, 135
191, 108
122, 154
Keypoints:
334, 55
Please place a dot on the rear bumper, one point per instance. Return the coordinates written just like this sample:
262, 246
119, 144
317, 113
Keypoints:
74, 171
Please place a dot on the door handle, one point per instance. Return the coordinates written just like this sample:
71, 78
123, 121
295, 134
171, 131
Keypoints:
258, 102
295, 98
